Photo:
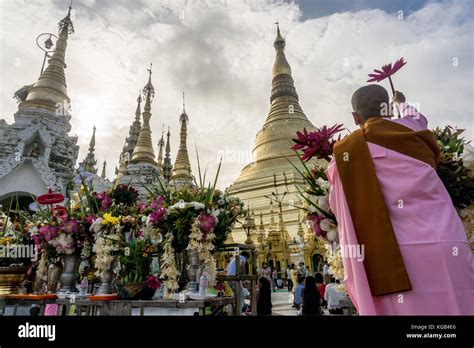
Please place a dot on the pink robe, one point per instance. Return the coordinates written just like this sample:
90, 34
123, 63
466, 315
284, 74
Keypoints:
430, 234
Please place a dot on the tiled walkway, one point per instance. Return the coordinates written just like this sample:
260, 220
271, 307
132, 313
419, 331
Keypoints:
282, 304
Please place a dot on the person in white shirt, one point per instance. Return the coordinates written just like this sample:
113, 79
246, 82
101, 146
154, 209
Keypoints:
332, 296
326, 273
232, 270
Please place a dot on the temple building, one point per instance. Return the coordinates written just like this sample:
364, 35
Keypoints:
271, 170
36, 151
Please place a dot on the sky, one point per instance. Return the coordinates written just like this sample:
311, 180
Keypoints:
220, 53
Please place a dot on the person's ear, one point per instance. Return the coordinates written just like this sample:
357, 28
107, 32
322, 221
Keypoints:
357, 119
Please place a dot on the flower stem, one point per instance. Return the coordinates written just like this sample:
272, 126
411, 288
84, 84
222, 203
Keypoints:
391, 85
393, 92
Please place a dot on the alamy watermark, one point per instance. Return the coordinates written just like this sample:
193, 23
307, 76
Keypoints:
352, 251
20, 251
37, 331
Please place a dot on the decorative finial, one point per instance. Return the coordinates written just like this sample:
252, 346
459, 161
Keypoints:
184, 117
149, 91
150, 71
66, 22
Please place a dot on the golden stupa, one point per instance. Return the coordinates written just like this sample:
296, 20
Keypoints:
50, 91
143, 151
181, 174
272, 153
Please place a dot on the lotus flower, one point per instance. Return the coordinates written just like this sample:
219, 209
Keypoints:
48, 232
104, 199
64, 244
157, 215
71, 226
387, 71
157, 203
315, 220
208, 222
318, 143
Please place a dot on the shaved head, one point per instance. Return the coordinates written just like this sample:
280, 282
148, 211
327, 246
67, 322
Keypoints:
368, 101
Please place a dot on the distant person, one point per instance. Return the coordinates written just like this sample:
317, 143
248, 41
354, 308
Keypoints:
321, 288
308, 272
279, 283
311, 300
289, 281
301, 270
274, 279
326, 273
266, 272
264, 297
232, 270
333, 295
294, 276
298, 293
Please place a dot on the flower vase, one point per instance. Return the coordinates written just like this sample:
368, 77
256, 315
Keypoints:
192, 269
106, 279
70, 273
54, 272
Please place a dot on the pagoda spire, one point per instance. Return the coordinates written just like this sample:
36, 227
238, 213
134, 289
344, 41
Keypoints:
130, 140
167, 166
281, 65
284, 119
50, 91
182, 166
134, 131
143, 151
104, 165
89, 163
138, 112
161, 145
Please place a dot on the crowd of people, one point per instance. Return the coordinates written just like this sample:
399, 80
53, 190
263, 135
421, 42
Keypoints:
310, 293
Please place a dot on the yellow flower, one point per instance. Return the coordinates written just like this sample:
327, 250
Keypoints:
6, 241
109, 219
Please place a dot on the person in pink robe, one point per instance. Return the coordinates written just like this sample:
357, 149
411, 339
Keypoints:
429, 232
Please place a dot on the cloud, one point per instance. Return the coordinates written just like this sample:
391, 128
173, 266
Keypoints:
220, 53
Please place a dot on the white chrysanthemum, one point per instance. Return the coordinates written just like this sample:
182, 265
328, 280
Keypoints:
323, 203
327, 224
